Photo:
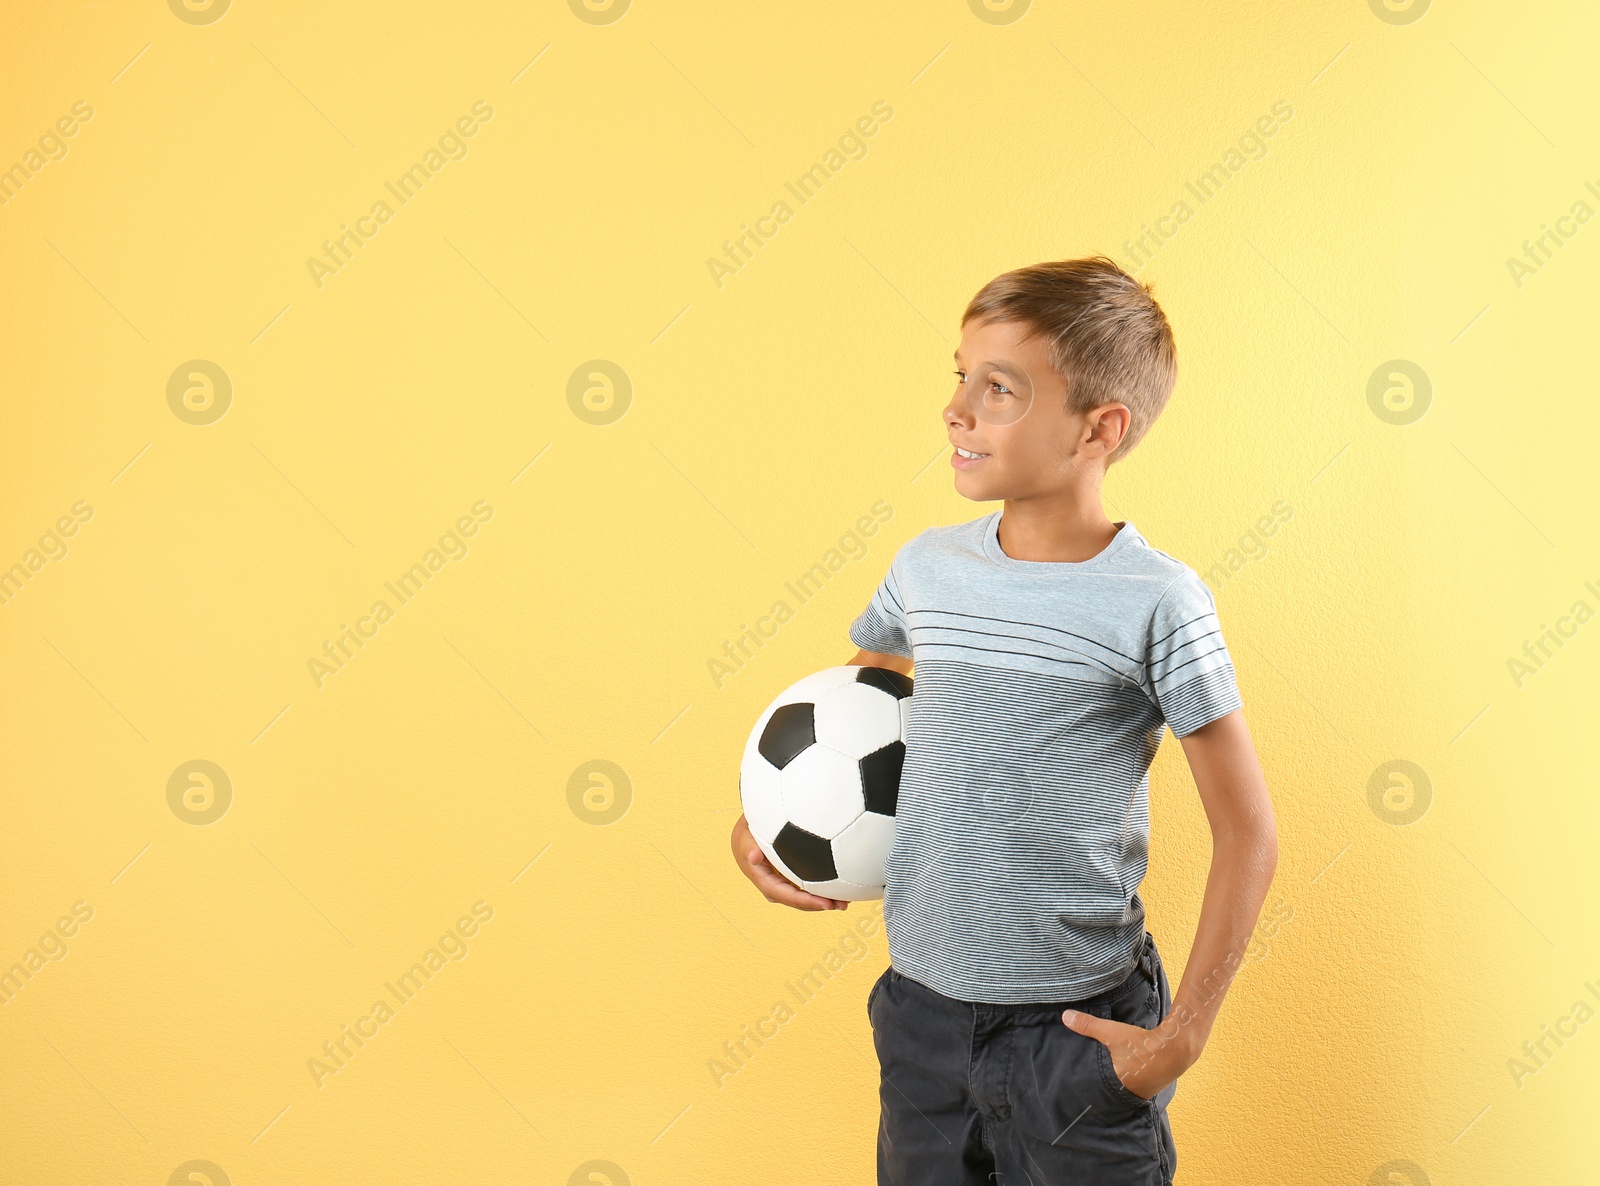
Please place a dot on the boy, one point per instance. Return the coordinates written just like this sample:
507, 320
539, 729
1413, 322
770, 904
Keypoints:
1024, 1028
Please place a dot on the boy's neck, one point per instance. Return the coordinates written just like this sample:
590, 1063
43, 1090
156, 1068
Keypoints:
1071, 529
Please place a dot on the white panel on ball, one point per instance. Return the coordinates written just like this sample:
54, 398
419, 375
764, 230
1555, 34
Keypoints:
859, 852
763, 800
857, 719
818, 684
822, 791
845, 891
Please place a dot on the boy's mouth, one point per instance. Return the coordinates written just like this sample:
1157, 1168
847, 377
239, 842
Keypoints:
964, 458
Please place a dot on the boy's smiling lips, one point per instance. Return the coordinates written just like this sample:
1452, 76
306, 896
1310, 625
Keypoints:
964, 458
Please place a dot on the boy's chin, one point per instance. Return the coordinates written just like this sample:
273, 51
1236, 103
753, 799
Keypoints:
976, 489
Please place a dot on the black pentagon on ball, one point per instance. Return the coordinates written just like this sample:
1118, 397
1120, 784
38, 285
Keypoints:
809, 856
789, 733
892, 682
880, 777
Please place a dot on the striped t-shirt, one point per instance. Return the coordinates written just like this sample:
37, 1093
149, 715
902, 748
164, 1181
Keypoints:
1022, 829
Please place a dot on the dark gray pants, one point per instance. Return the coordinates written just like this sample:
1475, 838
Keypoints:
1006, 1095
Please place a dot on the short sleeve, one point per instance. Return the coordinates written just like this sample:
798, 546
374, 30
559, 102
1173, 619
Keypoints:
881, 628
1187, 663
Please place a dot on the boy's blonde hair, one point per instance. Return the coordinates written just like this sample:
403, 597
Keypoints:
1108, 338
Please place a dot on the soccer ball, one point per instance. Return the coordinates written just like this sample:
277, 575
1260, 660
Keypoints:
821, 776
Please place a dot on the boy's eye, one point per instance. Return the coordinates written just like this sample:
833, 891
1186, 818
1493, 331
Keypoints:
1000, 387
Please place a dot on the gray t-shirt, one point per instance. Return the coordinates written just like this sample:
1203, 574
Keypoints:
1023, 826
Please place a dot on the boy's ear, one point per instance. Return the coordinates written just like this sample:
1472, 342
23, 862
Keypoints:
1107, 425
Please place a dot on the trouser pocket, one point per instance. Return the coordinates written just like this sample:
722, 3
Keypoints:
872, 995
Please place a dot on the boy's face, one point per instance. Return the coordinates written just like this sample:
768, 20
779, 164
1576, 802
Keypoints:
1010, 406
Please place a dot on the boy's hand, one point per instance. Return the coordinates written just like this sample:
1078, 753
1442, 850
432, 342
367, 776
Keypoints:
1144, 1060
773, 885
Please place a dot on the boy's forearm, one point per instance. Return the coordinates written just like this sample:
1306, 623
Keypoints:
874, 659
1244, 857
1242, 866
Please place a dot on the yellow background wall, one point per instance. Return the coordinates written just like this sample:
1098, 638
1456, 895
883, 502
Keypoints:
446, 763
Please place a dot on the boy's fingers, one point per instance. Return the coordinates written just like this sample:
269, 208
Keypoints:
1089, 1025
779, 888
790, 895
775, 884
769, 876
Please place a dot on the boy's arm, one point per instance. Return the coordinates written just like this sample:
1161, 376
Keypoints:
873, 659
1244, 856
753, 863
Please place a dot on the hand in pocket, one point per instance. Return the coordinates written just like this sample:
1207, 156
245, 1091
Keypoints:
1145, 1060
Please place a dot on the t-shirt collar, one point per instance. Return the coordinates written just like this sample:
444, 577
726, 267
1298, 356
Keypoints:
1126, 534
